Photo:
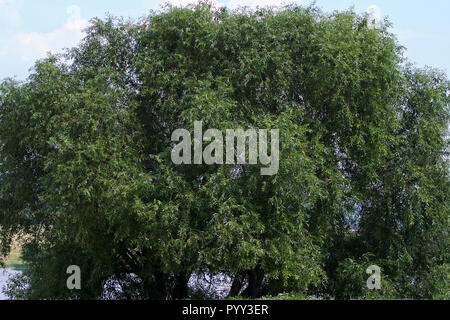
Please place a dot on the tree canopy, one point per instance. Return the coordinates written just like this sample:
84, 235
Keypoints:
86, 176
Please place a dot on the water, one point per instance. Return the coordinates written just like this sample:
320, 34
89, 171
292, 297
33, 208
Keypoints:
213, 286
4, 275
216, 286
203, 285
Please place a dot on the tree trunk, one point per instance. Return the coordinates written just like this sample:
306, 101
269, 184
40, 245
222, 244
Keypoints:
236, 286
255, 282
180, 290
155, 287
160, 284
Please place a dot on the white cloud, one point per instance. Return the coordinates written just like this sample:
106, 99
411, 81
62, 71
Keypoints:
34, 45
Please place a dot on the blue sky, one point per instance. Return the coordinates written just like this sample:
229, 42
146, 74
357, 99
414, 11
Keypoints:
30, 28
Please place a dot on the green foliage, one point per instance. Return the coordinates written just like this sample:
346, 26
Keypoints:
86, 175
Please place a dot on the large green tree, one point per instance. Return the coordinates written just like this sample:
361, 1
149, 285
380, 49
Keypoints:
86, 176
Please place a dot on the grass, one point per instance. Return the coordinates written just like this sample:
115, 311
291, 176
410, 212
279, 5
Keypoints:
281, 296
14, 260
